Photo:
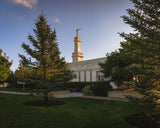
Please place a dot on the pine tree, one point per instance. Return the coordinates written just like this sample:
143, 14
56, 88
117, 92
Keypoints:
145, 20
145, 47
140, 54
44, 50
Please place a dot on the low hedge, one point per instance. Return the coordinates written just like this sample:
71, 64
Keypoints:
78, 86
101, 90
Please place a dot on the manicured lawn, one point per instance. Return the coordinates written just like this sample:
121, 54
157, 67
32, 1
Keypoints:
16, 89
75, 113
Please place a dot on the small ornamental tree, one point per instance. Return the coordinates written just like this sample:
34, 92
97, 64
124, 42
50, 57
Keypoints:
50, 68
4, 67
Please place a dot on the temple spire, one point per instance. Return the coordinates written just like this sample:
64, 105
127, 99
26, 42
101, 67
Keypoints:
77, 55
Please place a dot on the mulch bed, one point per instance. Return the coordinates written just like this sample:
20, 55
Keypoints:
42, 103
141, 121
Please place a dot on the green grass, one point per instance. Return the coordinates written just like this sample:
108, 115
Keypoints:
16, 89
75, 113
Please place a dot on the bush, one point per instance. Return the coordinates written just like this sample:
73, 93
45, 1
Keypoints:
78, 86
101, 90
87, 91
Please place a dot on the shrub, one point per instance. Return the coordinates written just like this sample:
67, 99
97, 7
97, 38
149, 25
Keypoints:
101, 90
87, 91
78, 86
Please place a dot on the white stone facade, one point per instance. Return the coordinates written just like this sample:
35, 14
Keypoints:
87, 70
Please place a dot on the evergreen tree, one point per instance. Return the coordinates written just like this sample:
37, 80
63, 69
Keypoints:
4, 67
144, 18
44, 50
145, 47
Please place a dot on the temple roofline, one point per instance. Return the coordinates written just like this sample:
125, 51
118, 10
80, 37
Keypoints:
88, 60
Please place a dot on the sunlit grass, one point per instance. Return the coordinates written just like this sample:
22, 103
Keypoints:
75, 113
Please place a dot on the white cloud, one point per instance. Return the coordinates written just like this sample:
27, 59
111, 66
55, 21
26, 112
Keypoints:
57, 20
26, 3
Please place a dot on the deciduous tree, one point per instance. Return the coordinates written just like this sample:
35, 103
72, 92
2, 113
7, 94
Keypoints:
5, 65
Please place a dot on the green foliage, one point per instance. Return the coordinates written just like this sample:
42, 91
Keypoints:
47, 67
100, 90
144, 18
87, 91
115, 66
12, 79
151, 98
4, 67
78, 86
145, 47
139, 54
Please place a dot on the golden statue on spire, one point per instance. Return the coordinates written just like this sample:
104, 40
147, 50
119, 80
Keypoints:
77, 32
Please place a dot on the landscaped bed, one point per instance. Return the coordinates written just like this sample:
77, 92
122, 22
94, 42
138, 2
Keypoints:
75, 113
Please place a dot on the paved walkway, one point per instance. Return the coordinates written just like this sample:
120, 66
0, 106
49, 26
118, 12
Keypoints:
18, 93
73, 94
105, 98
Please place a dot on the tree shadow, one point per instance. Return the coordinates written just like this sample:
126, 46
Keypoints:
42, 103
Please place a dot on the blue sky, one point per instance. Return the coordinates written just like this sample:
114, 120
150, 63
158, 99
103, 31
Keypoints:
98, 20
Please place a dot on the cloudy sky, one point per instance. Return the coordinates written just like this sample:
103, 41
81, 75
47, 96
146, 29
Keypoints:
98, 20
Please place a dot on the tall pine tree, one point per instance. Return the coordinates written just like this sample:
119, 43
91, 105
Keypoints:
46, 55
145, 47
140, 53
145, 19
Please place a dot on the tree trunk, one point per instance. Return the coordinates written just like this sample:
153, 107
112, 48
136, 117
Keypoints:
46, 98
44, 80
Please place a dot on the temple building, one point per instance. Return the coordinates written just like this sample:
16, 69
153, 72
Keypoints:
85, 70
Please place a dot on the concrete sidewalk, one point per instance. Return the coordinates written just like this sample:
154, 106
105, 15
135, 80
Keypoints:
73, 94
105, 98
18, 93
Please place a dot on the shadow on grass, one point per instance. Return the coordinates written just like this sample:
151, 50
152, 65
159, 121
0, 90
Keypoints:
42, 103
2, 97
141, 121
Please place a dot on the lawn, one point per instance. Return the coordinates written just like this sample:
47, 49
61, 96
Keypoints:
75, 113
16, 89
